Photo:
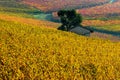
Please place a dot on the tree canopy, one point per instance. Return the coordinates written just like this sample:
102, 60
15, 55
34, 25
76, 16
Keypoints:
69, 19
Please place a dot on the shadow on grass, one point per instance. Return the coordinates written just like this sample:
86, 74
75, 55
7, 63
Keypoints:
114, 33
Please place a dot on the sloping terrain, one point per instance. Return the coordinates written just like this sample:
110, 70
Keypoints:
32, 53
99, 24
55, 5
88, 8
34, 50
111, 25
29, 21
105, 36
108, 29
106, 10
12, 7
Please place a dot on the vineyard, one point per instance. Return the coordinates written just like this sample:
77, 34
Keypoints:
11, 7
111, 25
88, 8
33, 52
52, 5
32, 49
29, 21
106, 10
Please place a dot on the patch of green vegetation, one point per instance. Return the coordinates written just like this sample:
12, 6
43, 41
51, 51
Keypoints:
109, 27
12, 7
102, 18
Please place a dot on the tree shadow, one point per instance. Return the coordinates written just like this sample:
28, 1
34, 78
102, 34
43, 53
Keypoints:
114, 33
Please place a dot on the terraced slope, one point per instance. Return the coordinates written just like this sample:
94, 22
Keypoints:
31, 53
55, 5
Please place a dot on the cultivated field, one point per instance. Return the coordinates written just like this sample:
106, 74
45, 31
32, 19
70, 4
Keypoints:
106, 10
111, 25
52, 5
40, 23
11, 7
33, 49
31, 52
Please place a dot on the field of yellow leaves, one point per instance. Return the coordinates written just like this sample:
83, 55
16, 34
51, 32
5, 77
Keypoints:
29, 21
30, 52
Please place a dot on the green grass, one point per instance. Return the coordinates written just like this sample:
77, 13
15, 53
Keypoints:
33, 53
11, 7
14, 8
113, 27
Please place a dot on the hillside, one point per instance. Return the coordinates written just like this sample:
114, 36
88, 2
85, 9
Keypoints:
106, 10
112, 25
29, 21
88, 8
50, 5
32, 49
32, 52
13, 7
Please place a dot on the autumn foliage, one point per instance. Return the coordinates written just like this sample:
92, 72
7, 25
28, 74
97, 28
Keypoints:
106, 10
32, 52
52, 5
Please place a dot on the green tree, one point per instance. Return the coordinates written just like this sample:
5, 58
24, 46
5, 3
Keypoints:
69, 19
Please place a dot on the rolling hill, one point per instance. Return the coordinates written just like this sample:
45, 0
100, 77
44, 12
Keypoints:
51, 5
112, 26
105, 10
29, 21
34, 52
13, 7
32, 49
88, 8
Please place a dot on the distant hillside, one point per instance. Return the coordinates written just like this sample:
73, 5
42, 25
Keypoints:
30, 52
111, 25
55, 5
88, 8
13, 7
111, 9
